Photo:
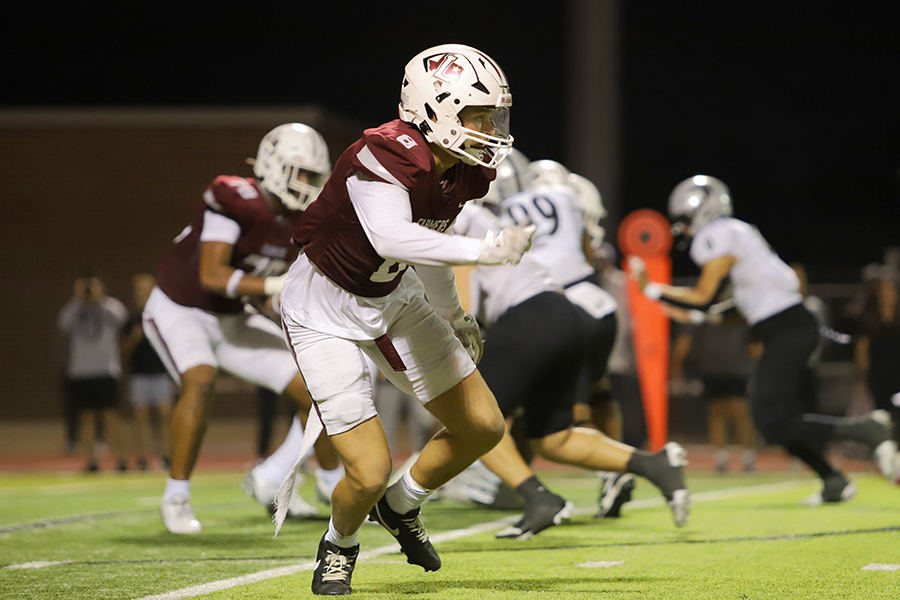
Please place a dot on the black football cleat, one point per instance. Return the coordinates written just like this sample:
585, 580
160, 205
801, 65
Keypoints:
541, 511
615, 492
410, 533
334, 569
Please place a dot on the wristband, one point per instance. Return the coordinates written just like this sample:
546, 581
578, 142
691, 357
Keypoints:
653, 291
697, 317
273, 285
234, 282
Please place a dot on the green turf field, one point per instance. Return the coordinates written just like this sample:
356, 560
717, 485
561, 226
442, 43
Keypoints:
74, 536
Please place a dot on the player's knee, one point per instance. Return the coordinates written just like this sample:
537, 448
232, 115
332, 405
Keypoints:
370, 481
489, 431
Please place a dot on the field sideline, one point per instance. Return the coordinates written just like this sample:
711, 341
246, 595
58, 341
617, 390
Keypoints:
70, 536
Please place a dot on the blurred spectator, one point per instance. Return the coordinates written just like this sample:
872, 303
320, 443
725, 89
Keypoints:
90, 324
150, 388
719, 357
878, 344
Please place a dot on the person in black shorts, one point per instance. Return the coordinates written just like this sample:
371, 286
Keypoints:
89, 324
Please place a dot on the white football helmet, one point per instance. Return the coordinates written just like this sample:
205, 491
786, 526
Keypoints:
548, 172
440, 82
591, 205
696, 201
293, 163
513, 176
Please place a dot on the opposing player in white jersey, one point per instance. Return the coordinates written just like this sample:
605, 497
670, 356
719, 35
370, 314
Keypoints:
235, 250
766, 292
534, 361
567, 210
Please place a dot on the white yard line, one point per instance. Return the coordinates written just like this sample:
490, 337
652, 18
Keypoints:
455, 534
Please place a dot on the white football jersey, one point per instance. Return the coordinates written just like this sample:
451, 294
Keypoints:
558, 243
763, 284
497, 288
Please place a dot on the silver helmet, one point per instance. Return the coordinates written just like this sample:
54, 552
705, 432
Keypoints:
696, 201
548, 172
591, 206
513, 177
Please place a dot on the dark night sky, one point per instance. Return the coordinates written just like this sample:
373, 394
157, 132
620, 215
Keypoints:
794, 105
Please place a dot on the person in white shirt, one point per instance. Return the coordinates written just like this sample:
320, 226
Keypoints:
766, 292
90, 324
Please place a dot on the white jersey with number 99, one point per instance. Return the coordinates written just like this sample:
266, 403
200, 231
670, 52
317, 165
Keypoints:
557, 242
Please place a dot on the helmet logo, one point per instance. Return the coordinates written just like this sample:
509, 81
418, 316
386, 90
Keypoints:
445, 68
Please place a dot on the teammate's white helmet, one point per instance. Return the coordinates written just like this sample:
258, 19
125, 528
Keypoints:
293, 163
513, 177
591, 205
696, 201
440, 82
548, 172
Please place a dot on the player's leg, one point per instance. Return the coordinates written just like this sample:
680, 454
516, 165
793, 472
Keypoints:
778, 404
189, 419
593, 450
421, 356
340, 379
543, 508
535, 362
184, 338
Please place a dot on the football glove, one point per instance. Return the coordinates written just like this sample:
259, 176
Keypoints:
508, 246
468, 333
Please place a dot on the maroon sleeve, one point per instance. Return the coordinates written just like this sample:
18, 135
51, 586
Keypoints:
237, 198
398, 158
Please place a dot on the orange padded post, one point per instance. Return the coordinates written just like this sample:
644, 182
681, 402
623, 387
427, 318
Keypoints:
647, 234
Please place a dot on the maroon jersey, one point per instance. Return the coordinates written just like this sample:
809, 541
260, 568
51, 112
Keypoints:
397, 153
263, 248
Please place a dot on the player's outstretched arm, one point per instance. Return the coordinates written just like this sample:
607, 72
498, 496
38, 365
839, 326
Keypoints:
217, 275
385, 214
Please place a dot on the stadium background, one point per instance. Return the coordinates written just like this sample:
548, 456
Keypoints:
112, 119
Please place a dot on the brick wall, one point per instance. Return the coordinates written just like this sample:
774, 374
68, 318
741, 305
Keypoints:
107, 188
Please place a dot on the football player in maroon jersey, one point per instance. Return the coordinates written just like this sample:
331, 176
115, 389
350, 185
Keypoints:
236, 249
388, 206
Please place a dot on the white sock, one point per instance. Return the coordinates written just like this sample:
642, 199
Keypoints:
406, 494
330, 479
341, 541
177, 487
275, 468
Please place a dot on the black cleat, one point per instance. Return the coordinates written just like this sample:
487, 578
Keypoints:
542, 511
668, 476
334, 569
835, 488
616, 491
410, 533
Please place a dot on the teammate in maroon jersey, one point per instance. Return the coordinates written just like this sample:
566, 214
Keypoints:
236, 249
388, 206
